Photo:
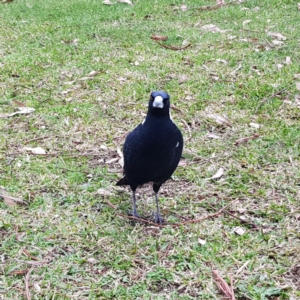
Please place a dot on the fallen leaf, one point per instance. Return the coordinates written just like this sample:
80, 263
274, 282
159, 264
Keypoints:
222, 61
246, 139
183, 7
246, 22
125, 1
288, 60
12, 201
213, 136
219, 174
298, 4
276, 35
201, 242
69, 42
37, 150
297, 76
279, 66
5, 115
18, 103
223, 121
159, 38
212, 28
112, 160
277, 43
104, 192
239, 230
19, 272
298, 86
107, 2
254, 125
22, 110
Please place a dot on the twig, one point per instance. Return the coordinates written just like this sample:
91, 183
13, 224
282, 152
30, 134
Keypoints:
234, 71
188, 128
242, 220
173, 47
206, 217
28, 296
269, 98
223, 286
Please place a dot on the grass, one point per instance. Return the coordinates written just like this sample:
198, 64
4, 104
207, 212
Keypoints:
70, 237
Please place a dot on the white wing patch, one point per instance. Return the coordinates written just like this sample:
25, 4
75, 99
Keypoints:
177, 145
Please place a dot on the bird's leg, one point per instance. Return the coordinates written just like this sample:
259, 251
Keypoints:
158, 217
134, 210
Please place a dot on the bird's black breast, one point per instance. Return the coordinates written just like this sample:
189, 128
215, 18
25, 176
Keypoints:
152, 152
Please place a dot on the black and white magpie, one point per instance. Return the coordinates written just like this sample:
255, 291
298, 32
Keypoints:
152, 150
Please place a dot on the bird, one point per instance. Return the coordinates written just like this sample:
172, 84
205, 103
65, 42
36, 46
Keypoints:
152, 151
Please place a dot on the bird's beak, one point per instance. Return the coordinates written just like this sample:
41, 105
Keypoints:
158, 102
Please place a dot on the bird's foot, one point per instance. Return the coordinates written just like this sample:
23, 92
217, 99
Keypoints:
158, 218
133, 214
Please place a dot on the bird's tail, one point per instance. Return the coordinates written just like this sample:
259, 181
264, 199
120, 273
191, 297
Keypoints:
123, 181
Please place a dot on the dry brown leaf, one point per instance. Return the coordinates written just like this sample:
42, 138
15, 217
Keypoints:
218, 174
12, 201
223, 121
276, 35
18, 103
246, 139
298, 86
125, 1
19, 272
36, 150
159, 38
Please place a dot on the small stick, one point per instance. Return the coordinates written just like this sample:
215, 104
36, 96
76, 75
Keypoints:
28, 296
173, 47
188, 128
268, 98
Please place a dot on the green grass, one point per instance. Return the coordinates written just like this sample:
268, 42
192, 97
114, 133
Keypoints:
87, 250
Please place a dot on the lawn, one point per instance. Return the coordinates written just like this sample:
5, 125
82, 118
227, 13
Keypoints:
232, 208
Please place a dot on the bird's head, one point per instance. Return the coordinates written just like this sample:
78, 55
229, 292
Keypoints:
159, 103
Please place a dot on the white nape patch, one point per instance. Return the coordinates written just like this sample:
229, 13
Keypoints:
144, 121
177, 145
158, 102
